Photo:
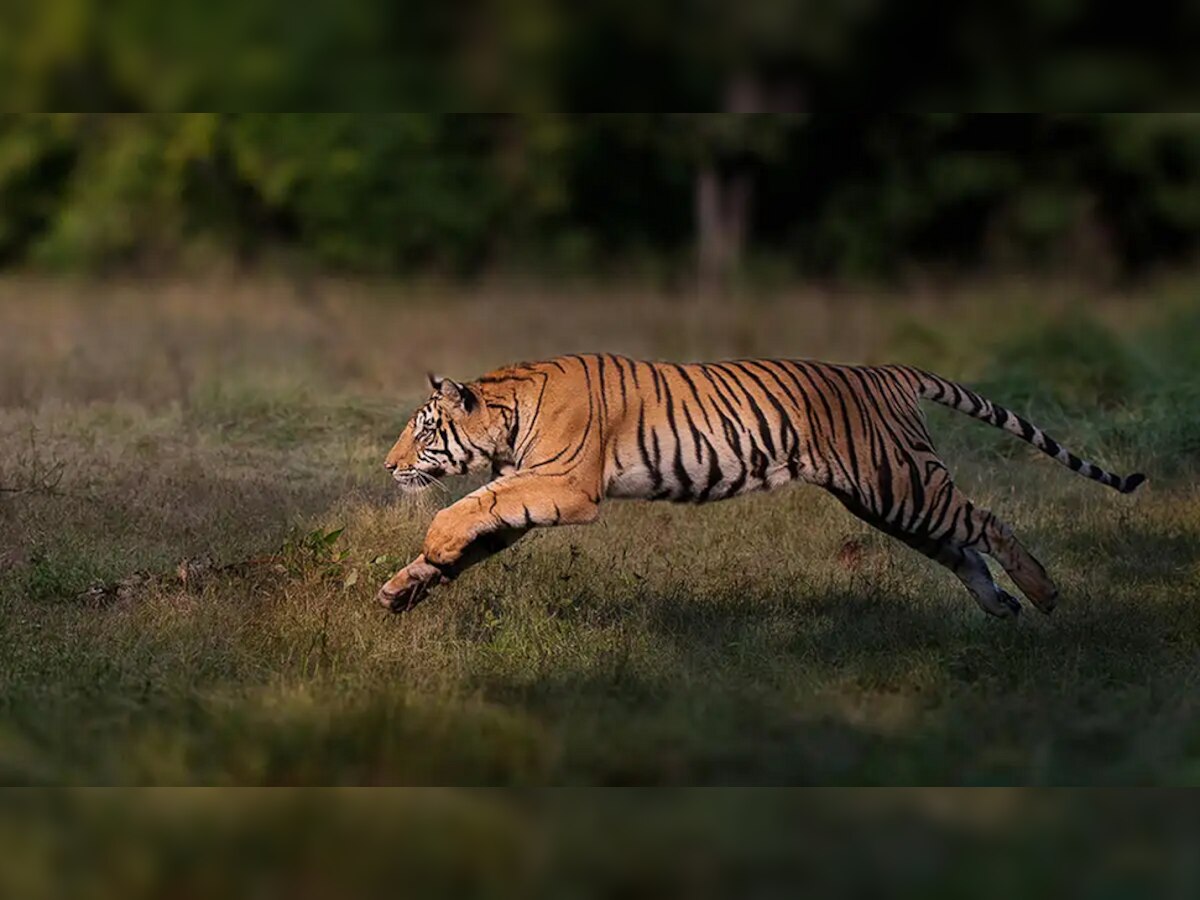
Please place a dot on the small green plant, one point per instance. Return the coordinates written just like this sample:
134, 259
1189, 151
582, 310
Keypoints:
315, 550
54, 578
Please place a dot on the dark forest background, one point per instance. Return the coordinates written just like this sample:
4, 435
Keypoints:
774, 182
815, 195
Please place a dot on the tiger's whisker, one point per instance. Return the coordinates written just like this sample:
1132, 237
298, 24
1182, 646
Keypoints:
428, 479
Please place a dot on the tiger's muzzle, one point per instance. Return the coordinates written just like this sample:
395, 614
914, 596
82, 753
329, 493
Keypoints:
414, 480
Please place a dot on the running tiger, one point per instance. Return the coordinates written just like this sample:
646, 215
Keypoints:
563, 434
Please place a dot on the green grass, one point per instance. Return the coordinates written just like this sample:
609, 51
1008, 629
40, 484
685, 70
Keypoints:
144, 426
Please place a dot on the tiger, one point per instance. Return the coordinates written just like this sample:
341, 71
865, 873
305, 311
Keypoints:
564, 434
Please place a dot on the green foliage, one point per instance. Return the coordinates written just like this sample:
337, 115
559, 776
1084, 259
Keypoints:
1124, 396
862, 195
372, 193
855, 196
315, 551
36, 156
124, 197
1074, 361
54, 577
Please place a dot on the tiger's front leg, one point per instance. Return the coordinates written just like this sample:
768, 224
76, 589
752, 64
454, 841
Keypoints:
411, 585
483, 523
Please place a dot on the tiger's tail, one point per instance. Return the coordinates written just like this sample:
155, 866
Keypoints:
948, 393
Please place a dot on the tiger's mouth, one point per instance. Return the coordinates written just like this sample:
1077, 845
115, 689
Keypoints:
415, 480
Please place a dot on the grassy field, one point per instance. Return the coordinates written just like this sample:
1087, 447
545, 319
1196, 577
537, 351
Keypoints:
148, 427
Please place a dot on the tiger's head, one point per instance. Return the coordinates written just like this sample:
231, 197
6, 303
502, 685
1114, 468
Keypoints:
449, 434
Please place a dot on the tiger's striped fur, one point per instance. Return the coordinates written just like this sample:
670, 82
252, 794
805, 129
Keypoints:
563, 434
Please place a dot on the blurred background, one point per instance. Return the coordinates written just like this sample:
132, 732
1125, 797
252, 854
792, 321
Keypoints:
765, 173
673, 199
212, 325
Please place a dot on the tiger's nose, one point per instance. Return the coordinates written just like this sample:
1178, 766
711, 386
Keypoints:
389, 465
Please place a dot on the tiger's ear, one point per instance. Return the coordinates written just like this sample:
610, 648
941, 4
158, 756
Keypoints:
458, 394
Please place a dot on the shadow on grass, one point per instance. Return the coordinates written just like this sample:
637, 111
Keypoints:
867, 681
846, 686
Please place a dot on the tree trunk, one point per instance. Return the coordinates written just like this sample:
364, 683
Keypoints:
711, 256
722, 211
722, 197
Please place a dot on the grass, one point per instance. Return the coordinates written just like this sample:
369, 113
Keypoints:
770, 639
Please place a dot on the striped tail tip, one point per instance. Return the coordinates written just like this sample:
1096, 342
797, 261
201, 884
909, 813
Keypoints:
1130, 483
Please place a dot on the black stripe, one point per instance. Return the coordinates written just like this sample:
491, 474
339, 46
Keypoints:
718, 374
681, 473
832, 457
786, 429
657, 385
764, 427
815, 430
695, 393
617, 361
821, 370
655, 477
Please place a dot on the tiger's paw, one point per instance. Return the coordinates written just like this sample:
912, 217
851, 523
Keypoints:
1001, 604
1037, 586
409, 586
1041, 593
1011, 603
1046, 600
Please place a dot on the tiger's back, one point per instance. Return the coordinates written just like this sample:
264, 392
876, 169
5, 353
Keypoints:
709, 431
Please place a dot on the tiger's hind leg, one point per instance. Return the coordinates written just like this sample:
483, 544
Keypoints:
961, 524
950, 529
999, 542
966, 564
